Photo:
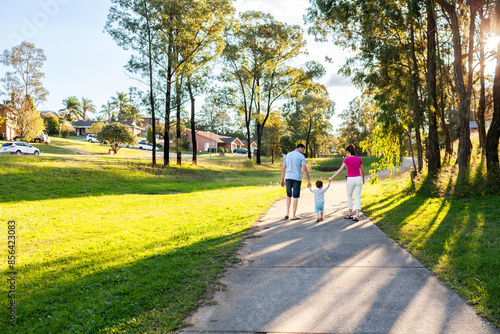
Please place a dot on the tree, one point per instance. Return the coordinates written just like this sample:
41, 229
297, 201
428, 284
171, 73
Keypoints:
66, 128
308, 116
51, 124
71, 107
464, 92
149, 136
96, 128
24, 88
26, 120
107, 112
26, 80
87, 106
493, 136
134, 114
121, 103
358, 123
116, 134
272, 136
135, 24
257, 57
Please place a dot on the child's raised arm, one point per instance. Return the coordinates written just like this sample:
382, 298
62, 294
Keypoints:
328, 186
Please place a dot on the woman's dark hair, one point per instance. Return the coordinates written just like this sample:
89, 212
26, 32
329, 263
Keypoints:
351, 149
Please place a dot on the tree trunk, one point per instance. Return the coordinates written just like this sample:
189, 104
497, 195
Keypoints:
433, 156
178, 121
482, 96
494, 131
166, 153
193, 124
413, 96
464, 144
151, 95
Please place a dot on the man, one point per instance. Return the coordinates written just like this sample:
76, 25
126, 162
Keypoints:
291, 176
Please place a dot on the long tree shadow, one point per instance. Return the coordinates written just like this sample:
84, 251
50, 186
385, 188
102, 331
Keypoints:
158, 289
459, 240
21, 181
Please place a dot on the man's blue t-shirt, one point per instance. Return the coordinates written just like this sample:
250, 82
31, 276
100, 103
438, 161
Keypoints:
294, 162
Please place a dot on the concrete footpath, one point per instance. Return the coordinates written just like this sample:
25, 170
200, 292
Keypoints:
334, 276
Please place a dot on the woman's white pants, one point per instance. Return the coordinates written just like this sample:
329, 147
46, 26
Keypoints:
353, 186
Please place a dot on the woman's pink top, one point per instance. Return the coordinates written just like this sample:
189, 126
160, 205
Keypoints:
353, 163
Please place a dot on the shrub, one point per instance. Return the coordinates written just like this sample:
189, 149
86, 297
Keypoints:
66, 129
51, 125
117, 134
249, 163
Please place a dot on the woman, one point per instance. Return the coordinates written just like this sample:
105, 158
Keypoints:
355, 180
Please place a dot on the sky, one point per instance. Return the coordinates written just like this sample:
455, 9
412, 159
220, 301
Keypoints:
84, 61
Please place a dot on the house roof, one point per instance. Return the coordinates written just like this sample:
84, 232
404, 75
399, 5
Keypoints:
88, 124
245, 142
214, 137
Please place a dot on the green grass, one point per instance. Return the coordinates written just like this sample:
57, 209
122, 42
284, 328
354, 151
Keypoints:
452, 227
336, 163
108, 244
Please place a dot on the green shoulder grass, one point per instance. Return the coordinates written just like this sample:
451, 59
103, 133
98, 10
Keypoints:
452, 227
112, 245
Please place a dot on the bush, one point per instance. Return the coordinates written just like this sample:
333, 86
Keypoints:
66, 129
51, 125
117, 134
249, 163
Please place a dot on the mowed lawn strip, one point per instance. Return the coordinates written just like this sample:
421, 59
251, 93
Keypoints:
457, 237
125, 257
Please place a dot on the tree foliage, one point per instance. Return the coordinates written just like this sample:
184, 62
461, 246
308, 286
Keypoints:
117, 134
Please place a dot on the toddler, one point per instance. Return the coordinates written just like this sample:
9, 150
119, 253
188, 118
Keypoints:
319, 199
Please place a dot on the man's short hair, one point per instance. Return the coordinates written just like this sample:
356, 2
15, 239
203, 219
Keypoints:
300, 146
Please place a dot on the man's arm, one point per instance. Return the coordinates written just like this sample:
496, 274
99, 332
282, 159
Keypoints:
283, 172
304, 168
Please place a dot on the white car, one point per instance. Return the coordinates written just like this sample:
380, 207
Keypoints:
19, 148
92, 139
146, 146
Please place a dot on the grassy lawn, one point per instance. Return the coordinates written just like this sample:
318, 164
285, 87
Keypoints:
96, 148
110, 244
452, 228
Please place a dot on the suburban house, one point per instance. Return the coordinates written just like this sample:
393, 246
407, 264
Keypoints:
474, 127
7, 132
253, 145
82, 128
206, 140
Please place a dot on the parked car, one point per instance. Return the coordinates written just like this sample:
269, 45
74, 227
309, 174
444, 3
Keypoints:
19, 148
41, 138
241, 150
91, 138
143, 145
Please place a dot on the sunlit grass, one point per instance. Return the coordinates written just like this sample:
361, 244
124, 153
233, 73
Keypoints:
452, 227
111, 244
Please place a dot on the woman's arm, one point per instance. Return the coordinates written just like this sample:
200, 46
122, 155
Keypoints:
362, 173
338, 172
